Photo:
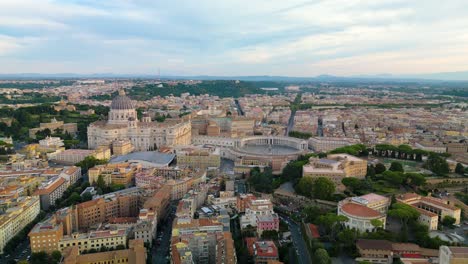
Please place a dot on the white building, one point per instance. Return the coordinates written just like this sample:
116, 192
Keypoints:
361, 211
144, 135
15, 218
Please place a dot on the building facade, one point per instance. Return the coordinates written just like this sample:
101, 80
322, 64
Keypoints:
144, 135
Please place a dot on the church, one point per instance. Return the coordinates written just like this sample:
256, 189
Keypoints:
123, 124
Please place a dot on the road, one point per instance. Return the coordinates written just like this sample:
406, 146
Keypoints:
290, 122
320, 127
298, 242
160, 253
239, 108
21, 253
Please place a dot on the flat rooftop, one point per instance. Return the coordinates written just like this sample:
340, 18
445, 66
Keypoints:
157, 158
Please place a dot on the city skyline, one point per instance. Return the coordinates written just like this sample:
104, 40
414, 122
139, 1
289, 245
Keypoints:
294, 38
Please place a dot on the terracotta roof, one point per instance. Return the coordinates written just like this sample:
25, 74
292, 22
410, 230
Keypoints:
374, 244
49, 189
438, 202
405, 247
266, 249
359, 210
314, 231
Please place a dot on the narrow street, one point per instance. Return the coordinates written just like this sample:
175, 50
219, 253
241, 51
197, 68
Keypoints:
161, 253
290, 122
298, 242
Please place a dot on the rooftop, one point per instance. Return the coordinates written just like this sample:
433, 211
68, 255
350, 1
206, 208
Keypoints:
359, 210
373, 244
160, 159
372, 197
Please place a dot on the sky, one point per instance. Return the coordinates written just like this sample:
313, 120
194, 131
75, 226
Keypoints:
234, 37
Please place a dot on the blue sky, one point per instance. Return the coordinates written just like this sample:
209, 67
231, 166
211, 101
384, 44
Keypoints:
233, 37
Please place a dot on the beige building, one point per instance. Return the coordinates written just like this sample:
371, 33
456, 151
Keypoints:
124, 203
95, 240
114, 173
431, 209
45, 236
71, 128
199, 157
20, 213
50, 191
135, 254
336, 167
73, 156
144, 135
453, 255
122, 147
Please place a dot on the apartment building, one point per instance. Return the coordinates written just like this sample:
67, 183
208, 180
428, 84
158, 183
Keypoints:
259, 213
203, 239
115, 173
50, 191
135, 254
19, 213
145, 229
95, 240
46, 235
264, 252
71, 174
123, 203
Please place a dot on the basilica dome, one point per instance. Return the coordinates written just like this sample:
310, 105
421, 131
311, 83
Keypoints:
122, 102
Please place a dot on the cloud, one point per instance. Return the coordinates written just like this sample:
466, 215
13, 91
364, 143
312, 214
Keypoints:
233, 37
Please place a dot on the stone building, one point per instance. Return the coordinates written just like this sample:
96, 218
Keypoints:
144, 134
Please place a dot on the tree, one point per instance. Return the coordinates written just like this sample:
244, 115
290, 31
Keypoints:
459, 169
100, 183
86, 197
270, 234
261, 181
370, 171
120, 247
323, 188
39, 257
404, 212
305, 186
89, 162
394, 177
331, 221
437, 164
416, 179
321, 257
448, 221
351, 183
396, 166
376, 223
311, 213
56, 255
380, 168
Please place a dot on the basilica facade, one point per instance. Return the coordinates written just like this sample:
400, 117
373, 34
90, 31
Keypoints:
144, 134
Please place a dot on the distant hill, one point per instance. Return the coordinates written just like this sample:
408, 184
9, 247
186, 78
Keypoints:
445, 76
